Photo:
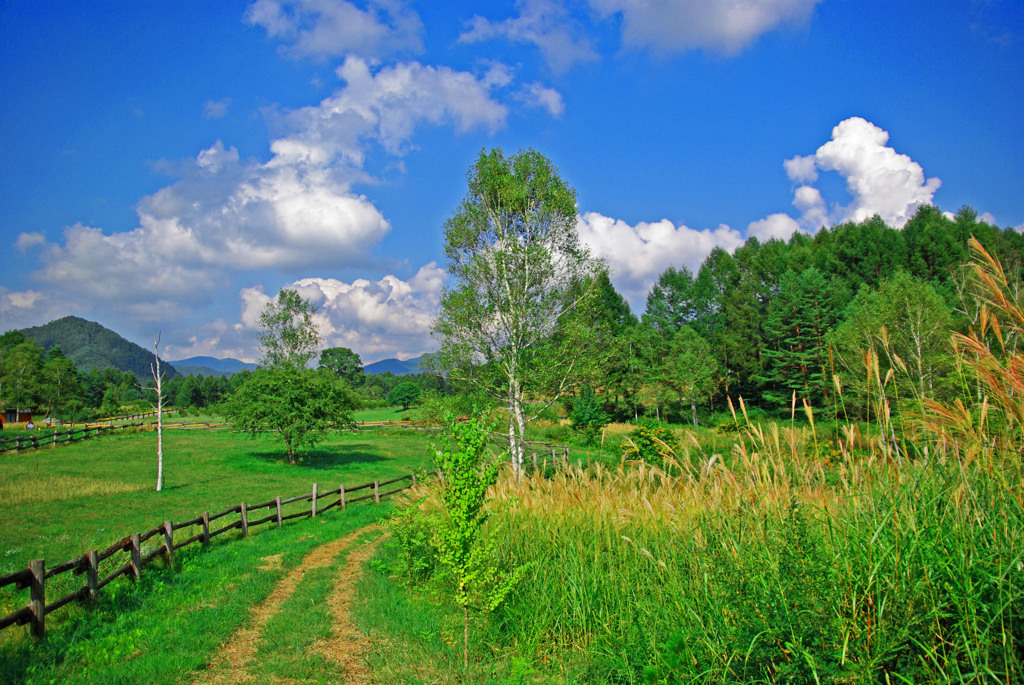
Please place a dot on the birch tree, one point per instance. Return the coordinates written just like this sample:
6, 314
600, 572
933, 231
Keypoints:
517, 321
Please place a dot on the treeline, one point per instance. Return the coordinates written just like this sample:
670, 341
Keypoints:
818, 318
48, 383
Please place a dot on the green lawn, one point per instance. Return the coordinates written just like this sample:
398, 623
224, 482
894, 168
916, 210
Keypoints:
62, 501
387, 414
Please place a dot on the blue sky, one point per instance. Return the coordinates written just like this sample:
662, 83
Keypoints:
170, 166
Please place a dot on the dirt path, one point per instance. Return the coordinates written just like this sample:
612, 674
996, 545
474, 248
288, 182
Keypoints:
229, 666
348, 643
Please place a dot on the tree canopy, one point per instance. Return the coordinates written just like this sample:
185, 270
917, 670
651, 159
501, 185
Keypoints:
516, 320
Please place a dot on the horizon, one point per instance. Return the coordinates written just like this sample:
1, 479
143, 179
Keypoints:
245, 147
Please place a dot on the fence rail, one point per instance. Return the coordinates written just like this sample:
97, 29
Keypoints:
35, 576
62, 437
88, 429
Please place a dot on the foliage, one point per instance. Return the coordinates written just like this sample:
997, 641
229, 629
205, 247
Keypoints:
297, 405
344, 362
587, 417
650, 443
413, 531
900, 331
464, 548
405, 394
519, 318
289, 336
90, 345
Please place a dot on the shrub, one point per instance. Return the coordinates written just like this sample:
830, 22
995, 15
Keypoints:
587, 416
651, 443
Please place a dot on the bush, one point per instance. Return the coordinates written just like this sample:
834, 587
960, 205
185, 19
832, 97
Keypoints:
587, 417
650, 442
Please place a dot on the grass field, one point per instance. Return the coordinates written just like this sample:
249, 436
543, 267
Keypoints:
60, 502
387, 414
63, 501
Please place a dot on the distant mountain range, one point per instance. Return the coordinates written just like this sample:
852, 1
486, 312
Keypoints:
88, 345
395, 366
211, 366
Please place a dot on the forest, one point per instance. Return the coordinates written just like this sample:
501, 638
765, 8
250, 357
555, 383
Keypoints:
776, 322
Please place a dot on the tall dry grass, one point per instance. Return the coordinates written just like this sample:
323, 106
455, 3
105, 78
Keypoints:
892, 553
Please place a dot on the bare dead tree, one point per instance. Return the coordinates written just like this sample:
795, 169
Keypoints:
154, 368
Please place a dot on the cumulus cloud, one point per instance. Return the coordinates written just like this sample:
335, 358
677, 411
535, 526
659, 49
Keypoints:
382, 318
638, 254
726, 26
879, 180
544, 23
387, 106
23, 308
333, 28
780, 226
295, 211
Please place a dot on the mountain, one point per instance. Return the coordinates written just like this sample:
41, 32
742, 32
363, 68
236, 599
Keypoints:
211, 366
395, 366
88, 345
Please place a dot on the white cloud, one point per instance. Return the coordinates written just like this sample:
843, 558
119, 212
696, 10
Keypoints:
801, 169
671, 26
383, 318
216, 109
26, 241
537, 95
988, 218
544, 23
638, 254
386, 106
780, 226
295, 211
23, 308
879, 179
333, 28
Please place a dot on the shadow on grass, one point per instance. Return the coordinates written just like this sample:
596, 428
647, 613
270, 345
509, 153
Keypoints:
324, 460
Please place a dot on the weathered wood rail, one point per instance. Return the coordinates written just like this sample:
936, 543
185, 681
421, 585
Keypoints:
34, 577
62, 437
87, 430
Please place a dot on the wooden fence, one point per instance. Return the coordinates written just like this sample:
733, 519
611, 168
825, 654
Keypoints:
35, 576
90, 429
61, 437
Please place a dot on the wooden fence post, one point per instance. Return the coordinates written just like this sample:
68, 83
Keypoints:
169, 541
91, 574
341, 496
278, 503
245, 519
414, 480
37, 597
136, 556
206, 527
376, 492
312, 503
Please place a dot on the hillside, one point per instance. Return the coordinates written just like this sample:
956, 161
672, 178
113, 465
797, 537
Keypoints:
88, 345
395, 366
211, 366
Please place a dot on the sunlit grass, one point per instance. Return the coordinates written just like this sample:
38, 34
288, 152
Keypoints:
32, 489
